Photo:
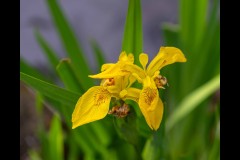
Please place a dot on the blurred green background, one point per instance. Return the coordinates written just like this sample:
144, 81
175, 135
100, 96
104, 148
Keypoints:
191, 123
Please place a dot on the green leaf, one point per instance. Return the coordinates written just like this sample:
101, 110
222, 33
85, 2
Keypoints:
71, 44
155, 145
127, 129
133, 37
47, 50
193, 21
99, 55
67, 75
171, 34
55, 139
26, 68
52, 91
214, 153
34, 155
192, 101
39, 103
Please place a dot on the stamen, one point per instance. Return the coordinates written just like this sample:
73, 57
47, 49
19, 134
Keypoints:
120, 111
160, 81
108, 82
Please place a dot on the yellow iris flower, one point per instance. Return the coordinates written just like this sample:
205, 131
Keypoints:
149, 102
94, 104
117, 81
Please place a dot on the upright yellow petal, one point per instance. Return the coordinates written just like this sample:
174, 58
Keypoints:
143, 58
165, 56
92, 106
123, 57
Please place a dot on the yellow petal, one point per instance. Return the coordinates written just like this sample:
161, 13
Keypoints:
106, 66
113, 71
148, 98
165, 56
131, 80
92, 106
153, 117
123, 57
135, 69
143, 58
130, 93
150, 104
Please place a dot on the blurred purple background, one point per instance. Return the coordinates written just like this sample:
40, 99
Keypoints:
102, 20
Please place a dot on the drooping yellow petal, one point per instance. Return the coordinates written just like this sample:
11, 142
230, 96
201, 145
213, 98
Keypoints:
143, 58
165, 56
153, 117
148, 98
150, 104
92, 106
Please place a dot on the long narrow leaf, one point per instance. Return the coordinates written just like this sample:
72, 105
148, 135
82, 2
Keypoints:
55, 139
71, 44
133, 37
47, 50
59, 94
99, 56
26, 68
192, 101
192, 20
67, 75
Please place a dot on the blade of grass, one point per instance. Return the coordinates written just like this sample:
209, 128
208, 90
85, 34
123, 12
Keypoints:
206, 62
26, 68
99, 55
67, 75
171, 34
200, 20
138, 33
154, 147
34, 155
171, 37
47, 50
52, 91
191, 101
39, 103
133, 37
55, 139
71, 44
192, 21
